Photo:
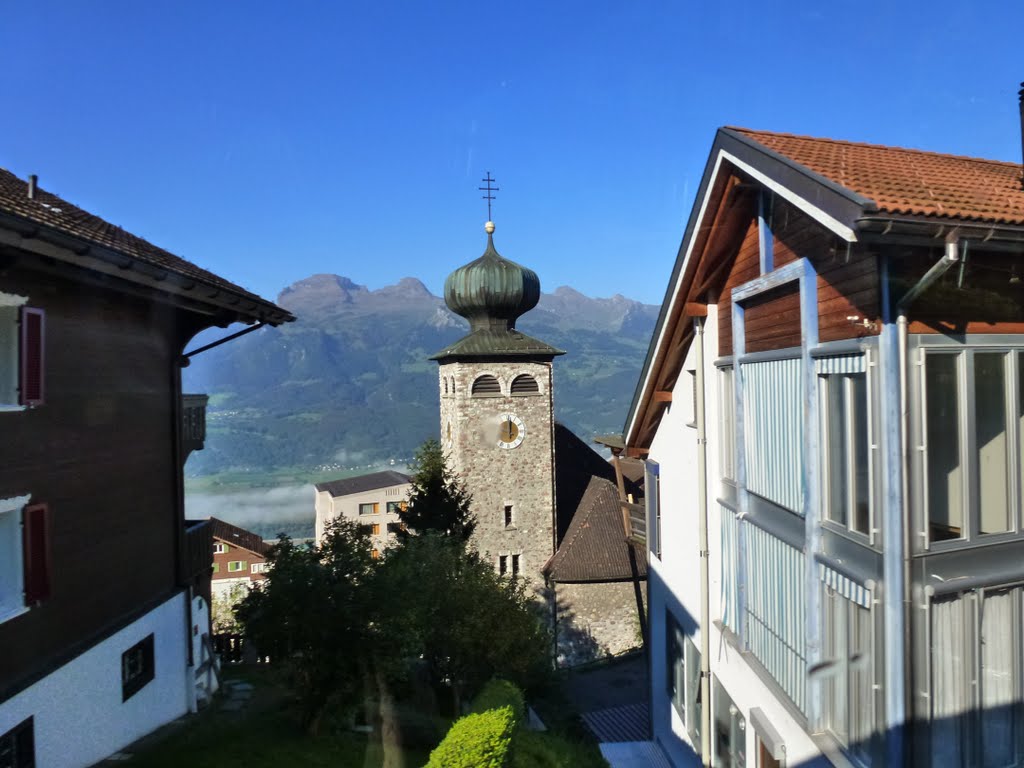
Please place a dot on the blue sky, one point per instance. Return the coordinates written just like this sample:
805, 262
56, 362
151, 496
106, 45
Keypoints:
270, 141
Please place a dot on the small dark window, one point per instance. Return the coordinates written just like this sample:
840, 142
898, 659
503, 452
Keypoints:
486, 385
525, 385
515, 565
508, 515
503, 564
446, 385
136, 667
17, 746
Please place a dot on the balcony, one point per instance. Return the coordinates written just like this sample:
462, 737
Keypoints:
193, 424
635, 520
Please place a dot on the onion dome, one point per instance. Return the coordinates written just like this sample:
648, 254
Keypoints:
491, 292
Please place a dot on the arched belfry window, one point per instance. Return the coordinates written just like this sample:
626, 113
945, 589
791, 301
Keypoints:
486, 385
453, 384
445, 379
525, 384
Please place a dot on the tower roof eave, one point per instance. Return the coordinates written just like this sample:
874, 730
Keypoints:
491, 343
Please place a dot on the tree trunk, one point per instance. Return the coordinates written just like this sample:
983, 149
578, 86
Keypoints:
390, 725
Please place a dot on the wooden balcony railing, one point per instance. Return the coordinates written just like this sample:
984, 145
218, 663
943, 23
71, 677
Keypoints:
193, 424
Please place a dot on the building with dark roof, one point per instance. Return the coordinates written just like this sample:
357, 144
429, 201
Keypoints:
239, 558
831, 406
371, 500
540, 494
104, 589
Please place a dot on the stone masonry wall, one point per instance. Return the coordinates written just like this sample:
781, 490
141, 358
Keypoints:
521, 477
596, 620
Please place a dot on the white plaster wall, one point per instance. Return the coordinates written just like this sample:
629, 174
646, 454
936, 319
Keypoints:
674, 581
329, 508
79, 716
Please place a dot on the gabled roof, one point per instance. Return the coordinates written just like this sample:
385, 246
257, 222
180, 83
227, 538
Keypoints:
595, 548
90, 237
850, 188
908, 181
361, 483
239, 537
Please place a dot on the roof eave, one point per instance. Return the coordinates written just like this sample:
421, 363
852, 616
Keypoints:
838, 207
42, 240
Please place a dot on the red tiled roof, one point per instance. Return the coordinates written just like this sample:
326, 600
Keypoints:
909, 181
49, 210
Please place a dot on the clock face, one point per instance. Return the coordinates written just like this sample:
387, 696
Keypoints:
511, 431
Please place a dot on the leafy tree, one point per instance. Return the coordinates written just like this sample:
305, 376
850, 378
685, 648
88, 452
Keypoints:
468, 623
438, 500
313, 616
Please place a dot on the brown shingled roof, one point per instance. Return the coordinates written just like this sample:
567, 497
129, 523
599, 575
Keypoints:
239, 537
594, 548
48, 210
908, 181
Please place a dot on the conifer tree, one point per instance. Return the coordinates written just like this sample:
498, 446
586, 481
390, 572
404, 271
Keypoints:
438, 500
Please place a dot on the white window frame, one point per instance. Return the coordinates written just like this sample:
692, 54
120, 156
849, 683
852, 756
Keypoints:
258, 567
10, 362
826, 382
1013, 374
241, 569
12, 574
219, 548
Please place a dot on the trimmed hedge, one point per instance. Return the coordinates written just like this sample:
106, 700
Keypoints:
480, 740
501, 693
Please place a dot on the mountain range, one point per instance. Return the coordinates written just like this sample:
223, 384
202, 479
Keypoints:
350, 382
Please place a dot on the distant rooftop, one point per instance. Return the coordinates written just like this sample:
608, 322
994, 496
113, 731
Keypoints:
361, 483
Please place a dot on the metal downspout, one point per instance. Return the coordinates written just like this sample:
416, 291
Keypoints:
702, 507
908, 602
893, 529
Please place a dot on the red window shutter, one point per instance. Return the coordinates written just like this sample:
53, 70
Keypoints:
31, 364
35, 533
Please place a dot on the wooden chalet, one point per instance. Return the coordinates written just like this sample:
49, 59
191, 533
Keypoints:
833, 408
101, 582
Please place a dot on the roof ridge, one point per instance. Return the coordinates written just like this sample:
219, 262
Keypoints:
752, 132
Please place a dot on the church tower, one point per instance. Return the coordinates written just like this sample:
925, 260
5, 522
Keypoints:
497, 422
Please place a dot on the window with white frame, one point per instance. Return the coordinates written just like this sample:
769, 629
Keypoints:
845, 444
12, 587
682, 668
976, 678
21, 353
847, 699
219, 548
971, 431
727, 423
675, 664
259, 567
237, 565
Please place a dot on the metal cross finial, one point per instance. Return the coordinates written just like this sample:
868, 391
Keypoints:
488, 189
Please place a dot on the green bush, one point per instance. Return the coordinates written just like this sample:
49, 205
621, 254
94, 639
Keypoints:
476, 741
500, 693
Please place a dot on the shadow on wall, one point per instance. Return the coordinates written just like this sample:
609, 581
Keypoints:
574, 643
980, 735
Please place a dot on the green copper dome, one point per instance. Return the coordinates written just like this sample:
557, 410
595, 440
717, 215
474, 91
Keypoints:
491, 292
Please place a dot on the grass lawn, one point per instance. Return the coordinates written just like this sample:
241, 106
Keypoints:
264, 733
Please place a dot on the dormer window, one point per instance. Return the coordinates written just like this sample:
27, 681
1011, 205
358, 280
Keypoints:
486, 385
525, 384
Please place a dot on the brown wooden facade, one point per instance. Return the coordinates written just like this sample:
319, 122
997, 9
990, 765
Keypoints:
103, 450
